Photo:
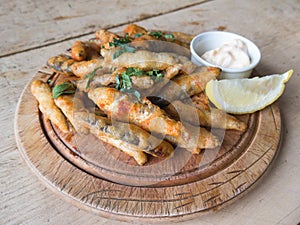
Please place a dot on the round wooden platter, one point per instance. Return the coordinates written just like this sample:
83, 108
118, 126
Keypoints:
99, 177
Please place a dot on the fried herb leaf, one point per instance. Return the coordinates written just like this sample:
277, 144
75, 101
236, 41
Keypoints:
118, 82
123, 49
91, 76
134, 71
122, 43
138, 35
156, 34
156, 74
126, 81
169, 36
124, 84
159, 34
119, 42
64, 88
136, 93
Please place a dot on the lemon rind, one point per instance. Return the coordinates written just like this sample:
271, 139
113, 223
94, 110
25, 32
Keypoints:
214, 96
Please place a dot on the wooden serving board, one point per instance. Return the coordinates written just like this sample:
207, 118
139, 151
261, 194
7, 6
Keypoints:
99, 177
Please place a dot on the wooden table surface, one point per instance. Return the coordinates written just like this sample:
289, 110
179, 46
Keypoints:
31, 32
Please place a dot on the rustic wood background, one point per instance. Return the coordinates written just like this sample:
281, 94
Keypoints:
32, 31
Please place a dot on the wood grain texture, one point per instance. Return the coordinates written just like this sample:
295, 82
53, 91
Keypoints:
69, 19
185, 195
272, 24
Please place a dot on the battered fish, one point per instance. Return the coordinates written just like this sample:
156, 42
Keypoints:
43, 94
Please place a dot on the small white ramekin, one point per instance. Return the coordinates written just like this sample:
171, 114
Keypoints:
211, 40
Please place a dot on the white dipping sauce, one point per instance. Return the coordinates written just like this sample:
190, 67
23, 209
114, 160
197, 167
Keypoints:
230, 55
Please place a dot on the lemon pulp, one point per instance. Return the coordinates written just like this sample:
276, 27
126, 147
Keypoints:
240, 96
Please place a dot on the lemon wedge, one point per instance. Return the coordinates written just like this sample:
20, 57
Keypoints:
240, 96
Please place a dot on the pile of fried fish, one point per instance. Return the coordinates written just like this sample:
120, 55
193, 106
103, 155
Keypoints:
147, 95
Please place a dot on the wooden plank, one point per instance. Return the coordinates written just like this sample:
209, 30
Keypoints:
278, 40
30, 24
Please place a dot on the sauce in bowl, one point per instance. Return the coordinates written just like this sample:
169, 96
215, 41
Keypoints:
232, 54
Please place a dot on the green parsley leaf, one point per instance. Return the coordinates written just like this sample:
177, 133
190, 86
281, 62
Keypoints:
134, 71
138, 35
155, 74
64, 88
124, 84
123, 49
118, 82
119, 42
122, 43
169, 36
126, 81
91, 76
156, 34
151, 73
159, 34
134, 92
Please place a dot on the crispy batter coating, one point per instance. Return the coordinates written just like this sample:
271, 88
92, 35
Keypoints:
133, 29
83, 68
69, 106
147, 60
150, 117
106, 37
186, 85
61, 63
43, 94
201, 101
105, 60
79, 51
208, 118
127, 137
